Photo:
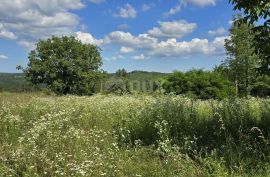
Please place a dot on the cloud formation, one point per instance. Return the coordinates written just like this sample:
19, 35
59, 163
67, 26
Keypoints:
87, 38
4, 34
172, 29
152, 47
127, 11
160, 42
139, 57
31, 20
126, 49
177, 8
3, 57
217, 32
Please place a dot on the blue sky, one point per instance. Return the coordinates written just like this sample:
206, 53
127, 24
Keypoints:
151, 35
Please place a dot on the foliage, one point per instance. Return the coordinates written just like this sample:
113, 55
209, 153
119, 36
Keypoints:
199, 84
261, 87
116, 85
15, 83
254, 11
65, 65
122, 73
241, 62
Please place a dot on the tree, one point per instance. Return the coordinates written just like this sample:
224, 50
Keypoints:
254, 11
122, 73
241, 61
65, 65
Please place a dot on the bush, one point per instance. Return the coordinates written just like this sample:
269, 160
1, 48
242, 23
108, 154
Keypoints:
199, 84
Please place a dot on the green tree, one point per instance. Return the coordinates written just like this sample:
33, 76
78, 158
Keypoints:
65, 65
122, 73
254, 11
241, 61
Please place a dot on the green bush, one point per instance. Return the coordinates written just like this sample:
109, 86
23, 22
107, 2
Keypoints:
199, 84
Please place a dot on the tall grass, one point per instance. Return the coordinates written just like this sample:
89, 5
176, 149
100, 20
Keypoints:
133, 136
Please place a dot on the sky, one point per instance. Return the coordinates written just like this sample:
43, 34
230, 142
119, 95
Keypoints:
149, 35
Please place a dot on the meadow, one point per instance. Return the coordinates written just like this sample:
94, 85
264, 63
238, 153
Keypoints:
133, 135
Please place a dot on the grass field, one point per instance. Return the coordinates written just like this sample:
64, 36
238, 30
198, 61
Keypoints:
138, 135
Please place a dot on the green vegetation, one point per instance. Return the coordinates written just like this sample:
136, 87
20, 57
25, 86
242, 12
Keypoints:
255, 11
242, 63
15, 83
196, 123
242, 60
199, 84
133, 136
65, 65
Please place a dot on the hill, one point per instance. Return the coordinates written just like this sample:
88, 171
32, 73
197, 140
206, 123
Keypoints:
15, 82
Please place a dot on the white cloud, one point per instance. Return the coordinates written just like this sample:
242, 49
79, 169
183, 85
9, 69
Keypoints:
3, 57
87, 38
27, 44
219, 43
150, 46
31, 20
118, 57
122, 26
128, 11
174, 10
217, 32
146, 7
139, 57
177, 8
4, 34
173, 29
127, 39
126, 50
173, 48
97, 1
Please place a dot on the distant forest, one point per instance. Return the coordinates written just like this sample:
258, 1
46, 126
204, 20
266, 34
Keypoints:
16, 82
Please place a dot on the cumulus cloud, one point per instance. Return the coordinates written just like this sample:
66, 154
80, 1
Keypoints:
3, 57
126, 50
173, 29
128, 11
31, 20
150, 46
173, 48
87, 38
217, 32
127, 39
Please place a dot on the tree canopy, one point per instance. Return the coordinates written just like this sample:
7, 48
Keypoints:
254, 11
65, 65
241, 60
